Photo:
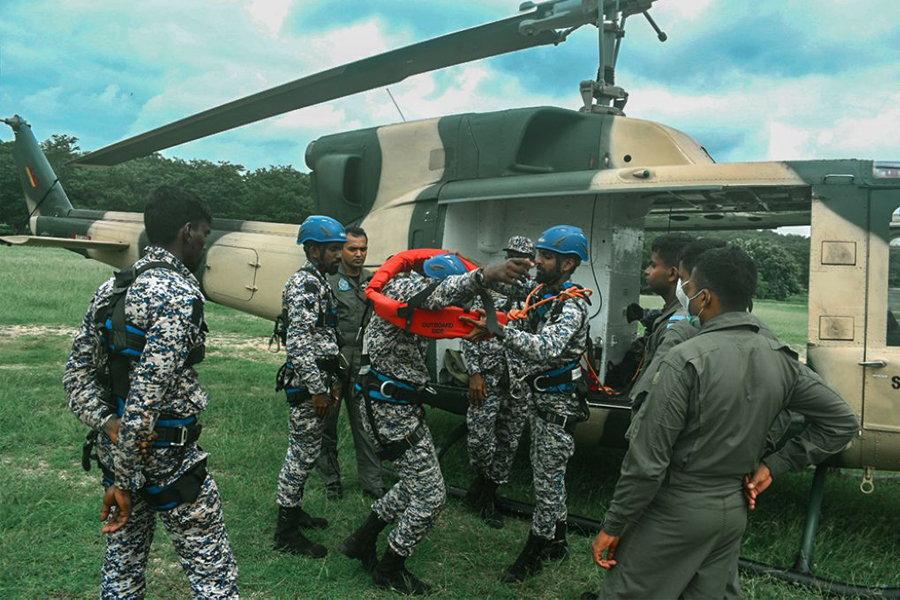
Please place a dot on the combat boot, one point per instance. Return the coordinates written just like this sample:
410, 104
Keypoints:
288, 537
361, 543
307, 521
472, 500
529, 562
489, 513
559, 547
390, 574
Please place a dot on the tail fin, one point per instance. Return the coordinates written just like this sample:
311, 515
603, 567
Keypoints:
44, 195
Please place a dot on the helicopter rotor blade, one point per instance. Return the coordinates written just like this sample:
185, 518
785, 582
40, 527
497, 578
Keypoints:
499, 37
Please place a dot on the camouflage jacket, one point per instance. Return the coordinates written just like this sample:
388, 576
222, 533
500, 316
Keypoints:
306, 299
397, 353
490, 355
401, 354
161, 303
544, 341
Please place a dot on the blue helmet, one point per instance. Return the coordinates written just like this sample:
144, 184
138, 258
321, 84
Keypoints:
443, 266
323, 230
564, 239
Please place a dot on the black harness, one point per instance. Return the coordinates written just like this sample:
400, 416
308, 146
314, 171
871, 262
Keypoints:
124, 343
377, 387
331, 365
566, 379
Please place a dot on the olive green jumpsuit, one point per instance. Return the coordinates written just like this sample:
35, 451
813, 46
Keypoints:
678, 504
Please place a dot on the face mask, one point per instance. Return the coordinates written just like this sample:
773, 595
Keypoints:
695, 318
681, 296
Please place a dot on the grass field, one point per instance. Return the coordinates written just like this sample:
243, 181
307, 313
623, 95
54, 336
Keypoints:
50, 541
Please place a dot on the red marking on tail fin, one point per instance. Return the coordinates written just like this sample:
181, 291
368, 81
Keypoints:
31, 177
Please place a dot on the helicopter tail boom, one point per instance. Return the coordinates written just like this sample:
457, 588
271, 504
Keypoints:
43, 192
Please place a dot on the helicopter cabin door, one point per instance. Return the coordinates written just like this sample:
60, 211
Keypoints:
881, 364
839, 238
230, 274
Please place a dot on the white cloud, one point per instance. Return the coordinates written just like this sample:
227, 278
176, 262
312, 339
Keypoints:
177, 60
269, 13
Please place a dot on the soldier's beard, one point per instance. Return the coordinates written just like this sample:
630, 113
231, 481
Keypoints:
548, 277
330, 269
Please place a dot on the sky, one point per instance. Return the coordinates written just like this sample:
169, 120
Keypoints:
760, 80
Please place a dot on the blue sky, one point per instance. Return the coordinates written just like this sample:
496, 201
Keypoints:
761, 80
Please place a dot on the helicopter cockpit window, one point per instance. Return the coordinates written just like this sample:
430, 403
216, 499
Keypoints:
893, 317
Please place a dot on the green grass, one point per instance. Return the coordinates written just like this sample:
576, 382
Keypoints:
50, 541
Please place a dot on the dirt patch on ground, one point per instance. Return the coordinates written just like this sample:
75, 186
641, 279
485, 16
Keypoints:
74, 476
17, 331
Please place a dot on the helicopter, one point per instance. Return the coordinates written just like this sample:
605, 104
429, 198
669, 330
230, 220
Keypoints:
468, 182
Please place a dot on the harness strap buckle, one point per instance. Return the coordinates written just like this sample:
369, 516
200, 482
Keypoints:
537, 387
386, 391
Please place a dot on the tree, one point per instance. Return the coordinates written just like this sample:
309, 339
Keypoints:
778, 273
277, 193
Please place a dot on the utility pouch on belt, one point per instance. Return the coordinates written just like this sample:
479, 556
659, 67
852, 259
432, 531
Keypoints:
332, 366
183, 490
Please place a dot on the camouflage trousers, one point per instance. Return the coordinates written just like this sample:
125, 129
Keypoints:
494, 430
413, 503
551, 449
197, 531
304, 446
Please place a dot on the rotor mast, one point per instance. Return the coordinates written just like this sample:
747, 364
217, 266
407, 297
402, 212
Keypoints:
601, 95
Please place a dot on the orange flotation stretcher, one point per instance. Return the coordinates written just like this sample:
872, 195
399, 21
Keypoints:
435, 324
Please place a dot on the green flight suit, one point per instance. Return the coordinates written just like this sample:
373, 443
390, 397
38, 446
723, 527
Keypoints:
659, 330
678, 504
652, 342
351, 306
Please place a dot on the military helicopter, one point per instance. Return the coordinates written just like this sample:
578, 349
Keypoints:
469, 181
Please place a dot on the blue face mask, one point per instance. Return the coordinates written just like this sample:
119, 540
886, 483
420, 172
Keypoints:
694, 319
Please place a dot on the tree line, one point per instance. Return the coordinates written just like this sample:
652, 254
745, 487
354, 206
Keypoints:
277, 194
282, 194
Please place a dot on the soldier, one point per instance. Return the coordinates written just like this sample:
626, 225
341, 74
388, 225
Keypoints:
676, 520
495, 418
545, 350
130, 378
310, 377
679, 326
391, 390
348, 285
662, 277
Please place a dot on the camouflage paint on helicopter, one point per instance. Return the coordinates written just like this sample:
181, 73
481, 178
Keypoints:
426, 184
470, 181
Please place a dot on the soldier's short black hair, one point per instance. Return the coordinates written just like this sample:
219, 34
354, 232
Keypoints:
168, 208
356, 232
669, 246
692, 251
730, 273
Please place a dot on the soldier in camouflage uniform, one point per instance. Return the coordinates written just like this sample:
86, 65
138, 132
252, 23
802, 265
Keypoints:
148, 390
545, 350
495, 418
309, 377
675, 523
395, 419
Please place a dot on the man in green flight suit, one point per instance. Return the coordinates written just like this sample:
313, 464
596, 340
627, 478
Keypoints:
662, 279
349, 285
674, 526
